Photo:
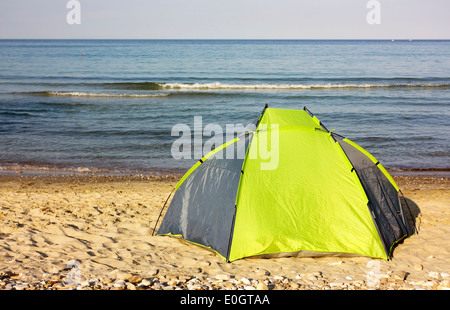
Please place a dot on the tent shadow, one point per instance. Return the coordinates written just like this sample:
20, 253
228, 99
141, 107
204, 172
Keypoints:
411, 211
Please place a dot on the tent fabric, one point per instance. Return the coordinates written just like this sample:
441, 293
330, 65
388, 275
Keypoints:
203, 206
325, 196
382, 193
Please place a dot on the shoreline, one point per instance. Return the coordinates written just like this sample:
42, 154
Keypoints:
45, 171
103, 224
178, 173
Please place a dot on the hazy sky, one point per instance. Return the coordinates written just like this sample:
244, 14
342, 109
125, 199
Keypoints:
225, 19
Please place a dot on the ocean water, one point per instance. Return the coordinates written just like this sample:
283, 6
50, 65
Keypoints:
110, 105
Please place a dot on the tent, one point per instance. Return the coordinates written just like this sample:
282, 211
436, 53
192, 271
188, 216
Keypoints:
323, 195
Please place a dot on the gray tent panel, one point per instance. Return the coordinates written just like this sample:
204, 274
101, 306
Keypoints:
383, 197
203, 207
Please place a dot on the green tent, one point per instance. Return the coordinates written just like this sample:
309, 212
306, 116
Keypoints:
314, 193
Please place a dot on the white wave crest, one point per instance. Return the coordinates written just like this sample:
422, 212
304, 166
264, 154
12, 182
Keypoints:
218, 86
83, 94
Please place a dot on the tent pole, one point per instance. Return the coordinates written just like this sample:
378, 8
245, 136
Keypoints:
312, 115
160, 213
261, 115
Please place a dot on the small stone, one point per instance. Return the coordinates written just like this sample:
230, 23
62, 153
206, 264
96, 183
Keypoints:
245, 281
107, 280
84, 283
57, 285
124, 276
433, 274
8, 274
222, 277
184, 278
173, 282
141, 287
261, 286
195, 287
336, 284
55, 277
135, 279
119, 284
418, 267
146, 282
445, 275
153, 272
20, 286
445, 283
429, 284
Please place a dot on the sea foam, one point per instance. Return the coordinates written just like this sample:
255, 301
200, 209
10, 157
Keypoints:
219, 86
84, 94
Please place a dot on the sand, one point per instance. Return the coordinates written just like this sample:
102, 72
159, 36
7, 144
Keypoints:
104, 224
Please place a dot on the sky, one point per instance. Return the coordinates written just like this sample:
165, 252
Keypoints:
225, 19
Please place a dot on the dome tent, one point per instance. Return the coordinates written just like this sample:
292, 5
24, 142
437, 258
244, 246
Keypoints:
325, 196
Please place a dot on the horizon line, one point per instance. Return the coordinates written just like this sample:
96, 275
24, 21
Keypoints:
231, 39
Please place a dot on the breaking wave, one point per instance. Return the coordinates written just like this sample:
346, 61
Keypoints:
85, 94
222, 86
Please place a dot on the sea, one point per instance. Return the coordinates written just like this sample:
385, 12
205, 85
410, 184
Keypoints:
113, 106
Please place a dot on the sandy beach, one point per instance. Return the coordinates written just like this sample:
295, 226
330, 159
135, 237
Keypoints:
95, 232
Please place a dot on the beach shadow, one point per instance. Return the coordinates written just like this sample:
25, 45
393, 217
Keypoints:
412, 212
